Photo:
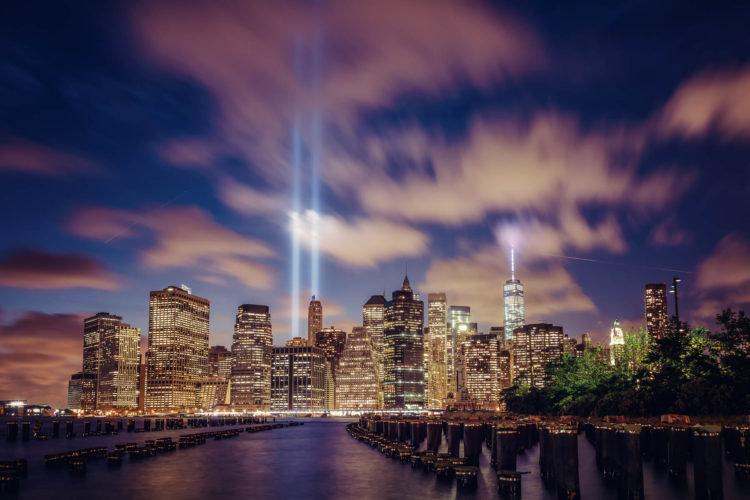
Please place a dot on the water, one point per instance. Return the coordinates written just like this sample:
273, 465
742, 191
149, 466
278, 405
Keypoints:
316, 460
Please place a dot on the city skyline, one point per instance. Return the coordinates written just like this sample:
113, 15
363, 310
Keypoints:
137, 152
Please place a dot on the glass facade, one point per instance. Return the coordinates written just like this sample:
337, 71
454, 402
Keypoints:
119, 369
481, 368
403, 355
177, 357
95, 329
436, 347
251, 358
298, 378
372, 320
534, 346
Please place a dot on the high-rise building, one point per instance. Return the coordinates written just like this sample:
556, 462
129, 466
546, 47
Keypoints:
534, 346
177, 356
656, 309
586, 340
94, 329
251, 358
356, 378
119, 368
436, 350
314, 319
505, 368
616, 342
298, 378
514, 315
331, 341
219, 361
459, 324
80, 383
481, 374
403, 351
372, 320
569, 345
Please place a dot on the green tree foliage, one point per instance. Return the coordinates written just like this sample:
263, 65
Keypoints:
687, 371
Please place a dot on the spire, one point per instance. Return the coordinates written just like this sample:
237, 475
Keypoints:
407, 285
512, 263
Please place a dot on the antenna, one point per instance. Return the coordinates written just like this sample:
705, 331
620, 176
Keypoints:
512, 263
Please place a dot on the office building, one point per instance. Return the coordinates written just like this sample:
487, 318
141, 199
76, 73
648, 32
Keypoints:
534, 346
94, 329
80, 383
356, 377
459, 322
219, 361
514, 315
436, 346
372, 320
251, 358
657, 321
177, 356
298, 378
480, 367
616, 342
403, 354
119, 369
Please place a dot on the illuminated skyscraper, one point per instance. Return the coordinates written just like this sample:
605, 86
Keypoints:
331, 341
616, 342
534, 346
298, 378
459, 321
513, 306
435, 350
177, 356
251, 358
481, 373
94, 329
314, 319
403, 350
119, 369
372, 320
219, 361
505, 368
656, 309
356, 379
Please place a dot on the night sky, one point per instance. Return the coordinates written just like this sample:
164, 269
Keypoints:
147, 144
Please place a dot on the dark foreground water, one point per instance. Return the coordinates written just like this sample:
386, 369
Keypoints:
316, 460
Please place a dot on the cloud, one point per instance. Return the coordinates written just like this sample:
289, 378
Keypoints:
506, 166
477, 279
248, 200
668, 233
19, 155
40, 269
259, 60
184, 237
34, 339
723, 278
713, 100
363, 242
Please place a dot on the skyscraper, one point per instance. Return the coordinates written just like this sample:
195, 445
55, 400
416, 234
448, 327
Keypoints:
481, 372
435, 349
534, 346
251, 358
80, 383
314, 319
94, 329
513, 303
119, 369
459, 321
616, 342
177, 356
656, 309
403, 350
356, 378
372, 320
219, 361
331, 341
298, 378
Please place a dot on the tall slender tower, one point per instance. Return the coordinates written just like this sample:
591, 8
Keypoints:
314, 320
656, 309
514, 315
436, 348
372, 320
251, 358
403, 350
177, 356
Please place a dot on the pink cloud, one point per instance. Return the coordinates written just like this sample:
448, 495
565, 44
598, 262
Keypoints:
39, 269
668, 233
711, 100
18, 155
34, 339
184, 237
